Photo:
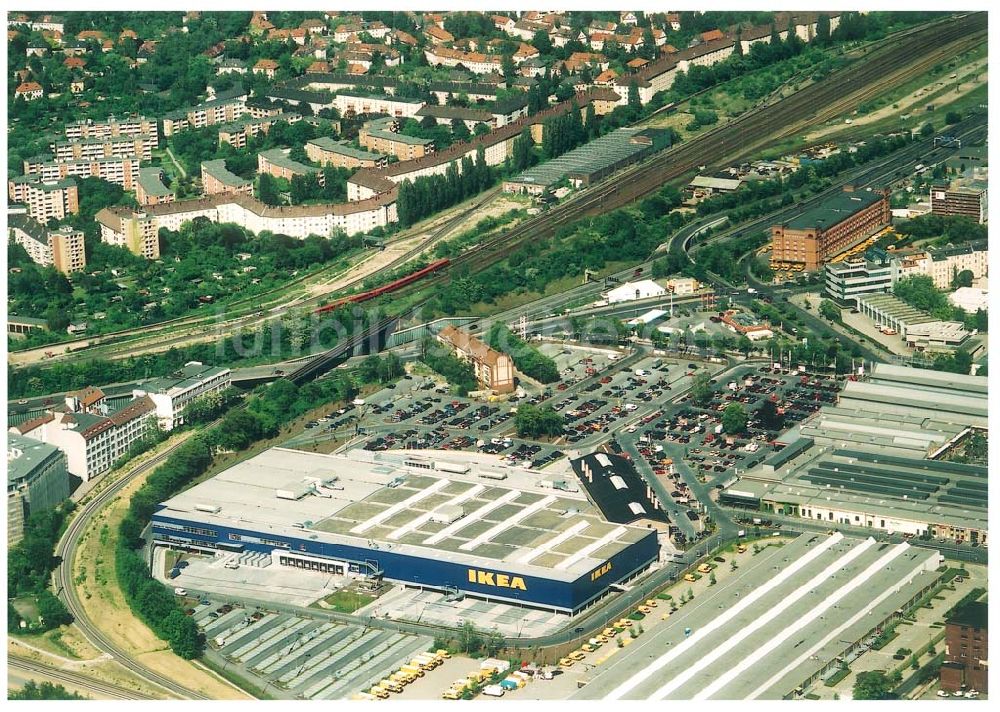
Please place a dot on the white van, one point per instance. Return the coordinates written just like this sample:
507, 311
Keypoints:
180, 592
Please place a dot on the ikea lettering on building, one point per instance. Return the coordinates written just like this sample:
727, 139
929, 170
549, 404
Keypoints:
411, 520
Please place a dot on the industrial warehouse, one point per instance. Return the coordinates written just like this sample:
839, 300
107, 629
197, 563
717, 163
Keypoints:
471, 528
820, 233
880, 458
590, 163
789, 622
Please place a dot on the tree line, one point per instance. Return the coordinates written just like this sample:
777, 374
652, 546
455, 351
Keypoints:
427, 195
30, 564
266, 410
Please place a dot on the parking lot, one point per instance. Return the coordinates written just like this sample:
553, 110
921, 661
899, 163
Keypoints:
302, 657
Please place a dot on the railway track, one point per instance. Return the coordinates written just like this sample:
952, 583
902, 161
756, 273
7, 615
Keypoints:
105, 689
65, 588
899, 58
153, 336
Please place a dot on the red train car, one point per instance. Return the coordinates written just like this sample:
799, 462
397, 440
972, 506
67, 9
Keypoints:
386, 288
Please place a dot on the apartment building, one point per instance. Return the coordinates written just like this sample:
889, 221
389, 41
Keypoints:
92, 436
943, 265
960, 199
446, 114
113, 128
277, 163
383, 135
91, 148
220, 110
475, 62
137, 232
150, 190
216, 178
120, 170
237, 133
355, 103
173, 394
37, 479
45, 199
494, 369
341, 154
825, 231
62, 248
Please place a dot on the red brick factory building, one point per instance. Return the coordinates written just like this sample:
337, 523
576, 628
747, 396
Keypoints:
814, 236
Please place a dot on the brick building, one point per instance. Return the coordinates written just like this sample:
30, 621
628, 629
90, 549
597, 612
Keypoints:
62, 248
816, 235
965, 661
383, 135
150, 190
494, 369
137, 232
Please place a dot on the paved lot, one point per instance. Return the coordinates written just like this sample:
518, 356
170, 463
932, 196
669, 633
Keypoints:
255, 578
302, 657
434, 607
762, 632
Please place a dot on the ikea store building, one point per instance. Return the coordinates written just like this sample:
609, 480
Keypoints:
466, 525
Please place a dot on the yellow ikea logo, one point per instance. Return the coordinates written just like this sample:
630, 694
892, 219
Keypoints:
597, 573
490, 578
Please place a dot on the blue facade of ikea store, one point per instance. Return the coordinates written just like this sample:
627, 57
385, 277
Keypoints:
506, 584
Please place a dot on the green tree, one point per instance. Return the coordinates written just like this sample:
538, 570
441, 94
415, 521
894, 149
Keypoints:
769, 417
822, 30
963, 279
873, 685
952, 117
44, 691
828, 310
533, 421
734, 419
701, 390
267, 190
927, 130
469, 639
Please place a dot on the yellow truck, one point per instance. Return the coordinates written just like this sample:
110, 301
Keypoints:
379, 693
690, 578
587, 648
741, 549
451, 694
565, 662
413, 670
651, 602
403, 678
442, 654
609, 633
424, 663
624, 623
391, 685
704, 569
576, 655
645, 610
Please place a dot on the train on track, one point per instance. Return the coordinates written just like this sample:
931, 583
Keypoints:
386, 288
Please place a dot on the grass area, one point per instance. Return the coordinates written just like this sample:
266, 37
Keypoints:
347, 601
237, 680
105, 605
